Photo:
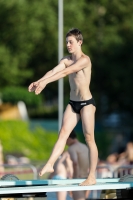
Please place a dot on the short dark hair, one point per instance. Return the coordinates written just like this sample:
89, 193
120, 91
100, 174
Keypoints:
73, 135
76, 33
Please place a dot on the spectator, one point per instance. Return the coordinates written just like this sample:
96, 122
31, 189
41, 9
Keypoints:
62, 169
79, 154
127, 156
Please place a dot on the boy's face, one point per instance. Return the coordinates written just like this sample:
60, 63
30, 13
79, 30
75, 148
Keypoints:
72, 44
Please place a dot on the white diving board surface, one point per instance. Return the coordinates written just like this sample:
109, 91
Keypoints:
51, 182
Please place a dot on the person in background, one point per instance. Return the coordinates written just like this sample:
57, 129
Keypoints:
79, 154
63, 169
127, 156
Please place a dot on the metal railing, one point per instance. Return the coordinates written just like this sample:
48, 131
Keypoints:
123, 170
20, 169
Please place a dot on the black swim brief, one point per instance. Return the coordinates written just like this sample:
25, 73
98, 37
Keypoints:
78, 105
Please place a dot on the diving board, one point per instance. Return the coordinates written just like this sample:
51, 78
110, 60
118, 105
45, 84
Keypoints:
39, 188
51, 182
60, 187
13, 191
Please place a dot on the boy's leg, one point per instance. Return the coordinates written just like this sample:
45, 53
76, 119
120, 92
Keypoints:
88, 120
69, 121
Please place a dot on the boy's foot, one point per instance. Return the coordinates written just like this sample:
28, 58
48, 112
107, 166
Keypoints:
88, 181
46, 169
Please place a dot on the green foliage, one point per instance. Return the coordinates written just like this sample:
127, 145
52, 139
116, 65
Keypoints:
17, 138
29, 40
15, 94
103, 141
23, 29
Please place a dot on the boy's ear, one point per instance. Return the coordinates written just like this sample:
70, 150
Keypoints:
80, 42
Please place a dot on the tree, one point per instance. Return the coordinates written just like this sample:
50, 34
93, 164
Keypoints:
23, 31
29, 39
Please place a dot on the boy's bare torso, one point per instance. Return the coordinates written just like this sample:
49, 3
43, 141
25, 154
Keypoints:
80, 80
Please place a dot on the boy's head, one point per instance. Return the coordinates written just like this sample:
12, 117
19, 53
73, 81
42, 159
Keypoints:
74, 40
76, 33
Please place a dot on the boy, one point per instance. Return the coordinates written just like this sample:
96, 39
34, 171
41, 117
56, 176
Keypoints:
81, 105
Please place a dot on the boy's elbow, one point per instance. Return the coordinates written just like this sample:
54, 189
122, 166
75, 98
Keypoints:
68, 72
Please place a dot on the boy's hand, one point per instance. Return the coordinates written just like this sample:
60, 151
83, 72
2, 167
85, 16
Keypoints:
32, 87
40, 86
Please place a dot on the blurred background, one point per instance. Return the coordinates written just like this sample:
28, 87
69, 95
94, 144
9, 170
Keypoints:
29, 48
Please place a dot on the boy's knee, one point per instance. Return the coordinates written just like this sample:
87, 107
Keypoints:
89, 138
